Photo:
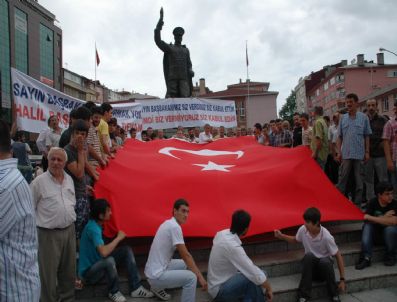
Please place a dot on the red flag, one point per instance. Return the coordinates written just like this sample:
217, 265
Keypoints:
246, 54
274, 185
97, 57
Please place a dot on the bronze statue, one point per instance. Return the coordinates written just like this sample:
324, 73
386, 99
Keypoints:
177, 66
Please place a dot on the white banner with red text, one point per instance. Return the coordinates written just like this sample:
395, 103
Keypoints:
188, 112
35, 102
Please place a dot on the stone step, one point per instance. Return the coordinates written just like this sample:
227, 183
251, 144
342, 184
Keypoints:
376, 295
374, 277
343, 232
275, 264
285, 288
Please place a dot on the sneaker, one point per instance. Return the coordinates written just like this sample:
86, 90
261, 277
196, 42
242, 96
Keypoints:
117, 297
161, 294
364, 262
141, 292
335, 299
389, 261
301, 299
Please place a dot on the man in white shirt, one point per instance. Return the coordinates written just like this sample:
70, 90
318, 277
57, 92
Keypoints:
164, 272
41, 143
231, 273
54, 201
320, 247
205, 136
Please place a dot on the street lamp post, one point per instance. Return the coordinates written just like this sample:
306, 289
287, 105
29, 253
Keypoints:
384, 49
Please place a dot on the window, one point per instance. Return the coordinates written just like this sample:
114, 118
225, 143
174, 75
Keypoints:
326, 86
46, 53
5, 80
340, 78
317, 92
332, 81
392, 73
385, 104
21, 40
242, 111
72, 77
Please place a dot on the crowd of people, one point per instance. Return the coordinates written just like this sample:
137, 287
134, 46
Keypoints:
56, 219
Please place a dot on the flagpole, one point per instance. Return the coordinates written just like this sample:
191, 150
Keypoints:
95, 63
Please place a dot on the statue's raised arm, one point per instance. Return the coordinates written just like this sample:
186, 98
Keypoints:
157, 33
161, 22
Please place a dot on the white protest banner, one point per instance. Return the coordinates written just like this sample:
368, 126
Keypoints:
188, 112
128, 115
35, 102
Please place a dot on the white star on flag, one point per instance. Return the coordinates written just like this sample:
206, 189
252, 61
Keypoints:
211, 166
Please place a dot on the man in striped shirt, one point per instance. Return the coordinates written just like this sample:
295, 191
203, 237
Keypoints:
19, 271
352, 146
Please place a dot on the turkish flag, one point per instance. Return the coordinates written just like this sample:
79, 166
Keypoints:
275, 185
97, 60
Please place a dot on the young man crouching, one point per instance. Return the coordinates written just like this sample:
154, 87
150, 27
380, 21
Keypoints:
98, 260
320, 248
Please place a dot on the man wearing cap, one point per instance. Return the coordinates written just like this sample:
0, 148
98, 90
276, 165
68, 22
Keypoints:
177, 66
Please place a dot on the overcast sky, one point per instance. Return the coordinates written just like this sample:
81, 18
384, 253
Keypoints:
287, 39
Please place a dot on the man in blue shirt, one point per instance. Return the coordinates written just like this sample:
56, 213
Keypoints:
352, 146
19, 270
98, 260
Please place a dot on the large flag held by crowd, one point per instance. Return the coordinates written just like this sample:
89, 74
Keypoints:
275, 185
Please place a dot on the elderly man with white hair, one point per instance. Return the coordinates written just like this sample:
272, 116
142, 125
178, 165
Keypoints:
54, 201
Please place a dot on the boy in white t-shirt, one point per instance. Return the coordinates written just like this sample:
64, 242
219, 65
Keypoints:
320, 248
164, 272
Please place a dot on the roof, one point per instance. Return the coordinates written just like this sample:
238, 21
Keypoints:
380, 91
237, 92
250, 83
368, 65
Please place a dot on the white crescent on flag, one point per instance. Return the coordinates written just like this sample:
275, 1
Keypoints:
205, 152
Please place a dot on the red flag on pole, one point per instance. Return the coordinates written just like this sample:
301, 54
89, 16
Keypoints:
246, 54
97, 57
275, 185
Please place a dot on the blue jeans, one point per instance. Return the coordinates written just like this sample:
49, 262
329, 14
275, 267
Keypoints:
176, 275
106, 267
239, 287
372, 231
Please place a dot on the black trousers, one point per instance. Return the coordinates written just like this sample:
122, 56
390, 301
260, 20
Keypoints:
318, 269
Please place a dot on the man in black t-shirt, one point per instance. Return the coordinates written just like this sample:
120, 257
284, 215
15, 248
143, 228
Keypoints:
297, 132
380, 226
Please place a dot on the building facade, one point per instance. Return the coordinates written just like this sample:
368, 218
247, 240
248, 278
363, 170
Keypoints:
254, 102
81, 87
385, 99
29, 42
361, 77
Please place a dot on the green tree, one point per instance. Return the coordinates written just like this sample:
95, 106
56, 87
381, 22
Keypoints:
287, 111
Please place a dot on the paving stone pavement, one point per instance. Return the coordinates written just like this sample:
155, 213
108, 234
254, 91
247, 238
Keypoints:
376, 295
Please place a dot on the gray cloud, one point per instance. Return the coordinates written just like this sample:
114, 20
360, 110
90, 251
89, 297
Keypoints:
286, 39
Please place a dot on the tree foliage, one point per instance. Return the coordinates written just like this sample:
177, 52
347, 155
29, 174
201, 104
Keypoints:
287, 111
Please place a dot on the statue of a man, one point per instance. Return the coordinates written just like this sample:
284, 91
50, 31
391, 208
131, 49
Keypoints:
177, 66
